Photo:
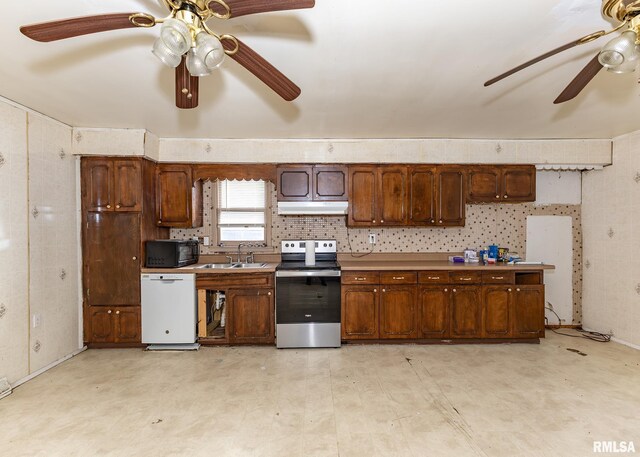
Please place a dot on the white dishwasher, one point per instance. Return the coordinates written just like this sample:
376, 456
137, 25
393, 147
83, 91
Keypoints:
169, 311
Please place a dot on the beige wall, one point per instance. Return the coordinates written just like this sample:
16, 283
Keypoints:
611, 221
38, 242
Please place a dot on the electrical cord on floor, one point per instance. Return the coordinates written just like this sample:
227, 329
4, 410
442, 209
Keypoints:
593, 336
358, 256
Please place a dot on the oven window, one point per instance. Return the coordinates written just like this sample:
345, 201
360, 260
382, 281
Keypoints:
308, 300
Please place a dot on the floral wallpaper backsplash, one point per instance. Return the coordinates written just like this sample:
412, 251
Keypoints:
502, 224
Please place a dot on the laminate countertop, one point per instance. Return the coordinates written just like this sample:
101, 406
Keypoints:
270, 267
417, 265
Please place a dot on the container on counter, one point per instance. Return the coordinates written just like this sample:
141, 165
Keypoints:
493, 252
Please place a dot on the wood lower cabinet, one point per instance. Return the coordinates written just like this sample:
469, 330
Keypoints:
251, 315
497, 310
528, 311
466, 312
359, 312
178, 198
398, 317
434, 311
114, 325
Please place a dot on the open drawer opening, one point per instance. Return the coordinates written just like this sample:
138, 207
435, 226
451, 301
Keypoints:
529, 277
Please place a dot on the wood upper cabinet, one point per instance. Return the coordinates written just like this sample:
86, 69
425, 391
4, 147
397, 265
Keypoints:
528, 311
178, 198
398, 317
497, 309
363, 202
114, 324
112, 184
251, 315
312, 183
392, 195
359, 312
450, 197
433, 311
112, 252
501, 183
422, 195
466, 311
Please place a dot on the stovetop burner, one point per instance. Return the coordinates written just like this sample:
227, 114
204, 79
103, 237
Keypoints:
293, 255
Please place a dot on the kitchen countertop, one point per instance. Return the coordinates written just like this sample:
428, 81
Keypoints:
270, 267
397, 265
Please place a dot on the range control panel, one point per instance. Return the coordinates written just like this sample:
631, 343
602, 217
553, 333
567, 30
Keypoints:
300, 246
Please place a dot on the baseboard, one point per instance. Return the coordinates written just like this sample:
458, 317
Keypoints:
617, 340
48, 367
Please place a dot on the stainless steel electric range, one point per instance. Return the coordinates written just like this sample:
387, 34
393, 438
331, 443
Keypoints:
308, 297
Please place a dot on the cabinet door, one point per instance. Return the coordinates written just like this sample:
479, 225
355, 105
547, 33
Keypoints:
251, 317
127, 324
97, 184
422, 201
359, 312
112, 259
433, 311
496, 311
178, 200
100, 325
465, 312
528, 314
294, 183
128, 185
450, 197
362, 191
398, 317
330, 183
483, 184
519, 184
392, 195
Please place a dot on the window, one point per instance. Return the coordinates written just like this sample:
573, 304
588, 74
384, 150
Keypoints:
241, 213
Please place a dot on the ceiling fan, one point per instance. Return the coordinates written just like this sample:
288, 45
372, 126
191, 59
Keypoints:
186, 42
620, 55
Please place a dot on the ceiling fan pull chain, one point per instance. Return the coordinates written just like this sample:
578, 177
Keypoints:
223, 4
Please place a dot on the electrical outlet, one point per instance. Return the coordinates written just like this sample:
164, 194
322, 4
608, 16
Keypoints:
206, 241
37, 320
372, 238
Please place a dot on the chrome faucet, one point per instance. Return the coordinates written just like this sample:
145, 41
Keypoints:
240, 246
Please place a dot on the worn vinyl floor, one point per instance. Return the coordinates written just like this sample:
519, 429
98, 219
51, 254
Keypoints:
495, 400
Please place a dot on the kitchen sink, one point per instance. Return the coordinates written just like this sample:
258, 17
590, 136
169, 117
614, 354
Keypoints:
249, 265
217, 266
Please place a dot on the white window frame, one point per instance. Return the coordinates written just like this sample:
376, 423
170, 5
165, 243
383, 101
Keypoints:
228, 246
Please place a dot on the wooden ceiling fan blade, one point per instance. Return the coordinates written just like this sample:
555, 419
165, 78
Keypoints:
580, 82
68, 28
262, 69
578, 42
237, 8
187, 87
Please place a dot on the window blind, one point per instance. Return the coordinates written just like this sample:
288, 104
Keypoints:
241, 211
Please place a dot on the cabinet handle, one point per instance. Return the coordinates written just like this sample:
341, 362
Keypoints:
117, 206
433, 277
465, 279
360, 279
397, 278
109, 312
108, 206
117, 312
454, 290
135, 258
497, 277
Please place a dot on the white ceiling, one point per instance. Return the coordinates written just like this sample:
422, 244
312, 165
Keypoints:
367, 69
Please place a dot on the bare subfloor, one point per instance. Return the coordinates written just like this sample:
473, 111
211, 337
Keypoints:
472, 400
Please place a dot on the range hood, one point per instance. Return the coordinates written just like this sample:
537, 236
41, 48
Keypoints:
312, 208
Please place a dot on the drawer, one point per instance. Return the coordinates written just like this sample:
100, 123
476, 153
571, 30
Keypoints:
464, 277
498, 277
433, 277
232, 280
398, 277
360, 277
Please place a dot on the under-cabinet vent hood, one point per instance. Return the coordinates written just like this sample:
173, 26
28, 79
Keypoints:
312, 208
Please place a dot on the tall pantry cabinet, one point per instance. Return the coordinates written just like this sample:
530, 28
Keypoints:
118, 216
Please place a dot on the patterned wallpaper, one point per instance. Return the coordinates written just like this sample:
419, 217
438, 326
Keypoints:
486, 224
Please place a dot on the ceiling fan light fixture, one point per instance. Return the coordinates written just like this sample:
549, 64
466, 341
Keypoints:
165, 55
630, 63
616, 51
176, 36
196, 65
210, 50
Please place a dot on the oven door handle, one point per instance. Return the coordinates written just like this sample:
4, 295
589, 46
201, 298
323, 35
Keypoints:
307, 274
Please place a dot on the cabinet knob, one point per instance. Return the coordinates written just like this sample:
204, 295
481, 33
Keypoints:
108, 206
109, 312
446, 290
518, 289
269, 293
375, 290
506, 196
135, 258
382, 221
497, 196
159, 222
117, 206
433, 221
509, 289
440, 221
454, 290
384, 290
374, 221
117, 312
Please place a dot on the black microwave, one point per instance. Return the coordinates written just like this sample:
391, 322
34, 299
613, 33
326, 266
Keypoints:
171, 253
